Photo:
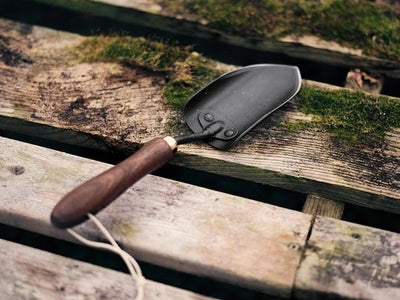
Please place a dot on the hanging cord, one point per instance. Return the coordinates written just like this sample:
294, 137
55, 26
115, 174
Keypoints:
130, 262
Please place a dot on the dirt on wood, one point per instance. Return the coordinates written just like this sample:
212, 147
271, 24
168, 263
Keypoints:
12, 57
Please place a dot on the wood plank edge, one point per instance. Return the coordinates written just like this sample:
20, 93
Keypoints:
37, 273
348, 261
210, 165
189, 28
206, 261
289, 182
33, 131
319, 206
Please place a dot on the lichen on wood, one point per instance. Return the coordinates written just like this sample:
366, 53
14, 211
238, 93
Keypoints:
348, 261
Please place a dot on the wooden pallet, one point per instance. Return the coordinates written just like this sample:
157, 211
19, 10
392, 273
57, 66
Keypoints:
246, 243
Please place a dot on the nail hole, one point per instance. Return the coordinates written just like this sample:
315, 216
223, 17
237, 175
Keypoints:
356, 236
293, 246
16, 170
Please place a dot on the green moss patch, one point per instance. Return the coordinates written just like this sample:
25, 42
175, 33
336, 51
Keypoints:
353, 23
354, 117
244, 17
360, 24
187, 71
190, 76
152, 54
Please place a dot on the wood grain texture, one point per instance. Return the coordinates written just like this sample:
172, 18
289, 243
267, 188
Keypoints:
318, 206
28, 273
161, 221
349, 261
150, 13
95, 194
122, 106
205, 232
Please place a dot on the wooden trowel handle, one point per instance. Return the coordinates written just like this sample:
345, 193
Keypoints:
98, 192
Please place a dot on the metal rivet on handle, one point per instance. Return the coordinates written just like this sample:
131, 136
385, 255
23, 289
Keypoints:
229, 133
209, 117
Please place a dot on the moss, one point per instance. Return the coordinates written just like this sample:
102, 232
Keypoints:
354, 117
190, 77
247, 17
187, 71
152, 54
353, 23
360, 24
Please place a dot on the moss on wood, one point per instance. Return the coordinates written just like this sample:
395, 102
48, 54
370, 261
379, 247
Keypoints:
152, 54
189, 77
353, 23
186, 71
353, 117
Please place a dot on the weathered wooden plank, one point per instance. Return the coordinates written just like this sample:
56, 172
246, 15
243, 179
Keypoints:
28, 273
319, 206
152, 13
161, 221
349, 261
124, 106
341, 259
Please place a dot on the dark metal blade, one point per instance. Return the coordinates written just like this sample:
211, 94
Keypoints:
241, 99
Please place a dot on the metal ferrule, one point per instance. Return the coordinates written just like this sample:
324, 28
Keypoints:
171, 142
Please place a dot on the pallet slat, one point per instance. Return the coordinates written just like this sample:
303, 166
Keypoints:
152, 14
208, 233
349, 261
161, 221
125, 106
28, 273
